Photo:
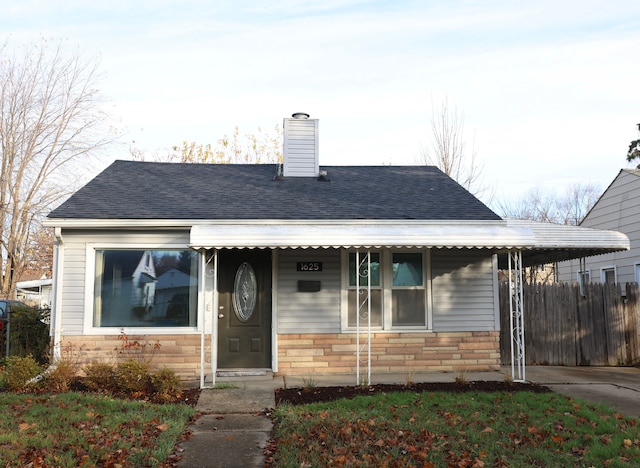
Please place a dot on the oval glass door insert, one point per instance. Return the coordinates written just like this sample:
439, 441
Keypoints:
245, 292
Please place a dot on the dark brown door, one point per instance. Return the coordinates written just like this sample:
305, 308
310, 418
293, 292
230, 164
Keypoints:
244, 309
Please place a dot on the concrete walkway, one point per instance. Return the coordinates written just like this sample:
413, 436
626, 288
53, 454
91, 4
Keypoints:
234, 427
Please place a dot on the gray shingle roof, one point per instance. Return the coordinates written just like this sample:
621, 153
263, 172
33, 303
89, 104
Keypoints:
143, 190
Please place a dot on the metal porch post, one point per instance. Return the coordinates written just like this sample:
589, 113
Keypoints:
516, 310
359, 306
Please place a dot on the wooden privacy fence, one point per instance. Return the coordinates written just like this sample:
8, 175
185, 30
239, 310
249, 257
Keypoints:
600, 327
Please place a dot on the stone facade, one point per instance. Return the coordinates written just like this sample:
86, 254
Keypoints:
390, 352
179, 353
307, 354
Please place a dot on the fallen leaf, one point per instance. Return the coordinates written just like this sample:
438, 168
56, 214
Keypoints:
627, 443
162, 427
24, 426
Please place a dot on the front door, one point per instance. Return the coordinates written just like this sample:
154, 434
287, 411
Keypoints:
244, 309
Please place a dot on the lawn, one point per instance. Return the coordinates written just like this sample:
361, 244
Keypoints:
474, 429
74, 429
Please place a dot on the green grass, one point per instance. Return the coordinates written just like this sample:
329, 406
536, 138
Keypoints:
72, 429
446, 429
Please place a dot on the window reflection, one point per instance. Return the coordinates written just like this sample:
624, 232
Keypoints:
145, 288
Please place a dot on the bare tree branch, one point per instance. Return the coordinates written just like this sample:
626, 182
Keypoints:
568, 208
447, 149
50, 119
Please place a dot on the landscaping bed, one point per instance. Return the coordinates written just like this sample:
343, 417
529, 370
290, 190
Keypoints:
305, 395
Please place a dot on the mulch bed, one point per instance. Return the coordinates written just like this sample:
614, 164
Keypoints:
301, 396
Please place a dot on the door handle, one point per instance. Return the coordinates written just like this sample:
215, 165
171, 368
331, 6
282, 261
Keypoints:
220, 315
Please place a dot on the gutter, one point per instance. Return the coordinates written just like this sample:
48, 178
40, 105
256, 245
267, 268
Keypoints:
58, 268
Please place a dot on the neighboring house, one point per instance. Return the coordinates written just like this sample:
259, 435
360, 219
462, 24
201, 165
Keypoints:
618, 208
292, 268
172, 297
124, 287
36, 292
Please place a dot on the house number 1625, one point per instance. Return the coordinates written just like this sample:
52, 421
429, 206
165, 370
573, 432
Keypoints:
309, 266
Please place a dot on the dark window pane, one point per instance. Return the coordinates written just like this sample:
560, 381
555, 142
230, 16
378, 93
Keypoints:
407, 269
376, 307
408, 306
363, 269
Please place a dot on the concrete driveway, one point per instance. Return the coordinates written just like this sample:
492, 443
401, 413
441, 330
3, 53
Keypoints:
617, 387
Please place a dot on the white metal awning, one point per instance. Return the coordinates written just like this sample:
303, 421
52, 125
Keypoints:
540, 242
361, 235
556, 242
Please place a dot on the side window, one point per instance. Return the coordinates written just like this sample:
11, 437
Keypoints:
584, 278
608, 275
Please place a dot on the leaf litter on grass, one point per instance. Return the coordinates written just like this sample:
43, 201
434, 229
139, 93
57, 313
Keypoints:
470, 429
68, 430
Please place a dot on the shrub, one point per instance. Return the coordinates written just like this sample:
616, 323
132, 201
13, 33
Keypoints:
166, 385
60, 378
29, 333
136, 349
132, 376
100, 376
18, 371
67, 366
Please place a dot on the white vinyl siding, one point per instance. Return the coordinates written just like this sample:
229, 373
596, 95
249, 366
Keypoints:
301, 155
463, 291
308, 312
617, 209
74, 301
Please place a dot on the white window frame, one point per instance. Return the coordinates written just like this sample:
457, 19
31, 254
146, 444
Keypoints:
386, 287
90, 267
605, 269
580, 279
636, 272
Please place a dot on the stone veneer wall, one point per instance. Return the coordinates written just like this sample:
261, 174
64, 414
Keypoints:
303, 354
180, 353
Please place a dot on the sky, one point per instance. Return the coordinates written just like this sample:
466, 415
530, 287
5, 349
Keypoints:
549, 90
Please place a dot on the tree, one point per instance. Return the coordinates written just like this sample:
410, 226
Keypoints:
634, 149
256, 148
50, 119
448, 150
39, 254
568, 208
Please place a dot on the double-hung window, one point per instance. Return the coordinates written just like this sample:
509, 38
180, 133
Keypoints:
145, 288
397, 291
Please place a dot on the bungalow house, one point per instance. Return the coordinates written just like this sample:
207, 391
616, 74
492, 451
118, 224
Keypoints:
618, 208
294, 268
